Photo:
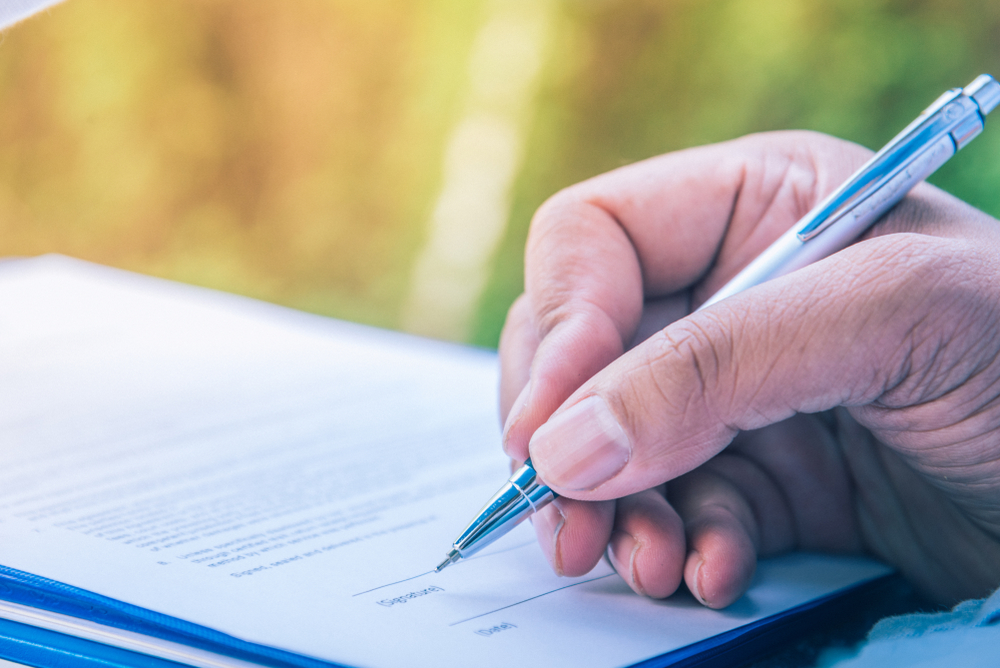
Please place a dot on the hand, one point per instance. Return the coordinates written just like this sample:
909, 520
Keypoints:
852, 406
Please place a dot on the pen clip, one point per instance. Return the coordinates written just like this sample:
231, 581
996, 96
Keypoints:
953, 114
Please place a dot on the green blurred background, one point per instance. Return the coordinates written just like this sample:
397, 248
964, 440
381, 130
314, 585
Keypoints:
366, 159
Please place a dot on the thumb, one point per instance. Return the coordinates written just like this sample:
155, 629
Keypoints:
882, 316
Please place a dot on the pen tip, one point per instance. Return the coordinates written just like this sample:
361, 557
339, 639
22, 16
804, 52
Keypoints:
452, 557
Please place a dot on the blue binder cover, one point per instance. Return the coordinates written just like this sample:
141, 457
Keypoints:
37, 592
34, 646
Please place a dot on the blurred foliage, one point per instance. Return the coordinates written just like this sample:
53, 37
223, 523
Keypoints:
291, 150
632, 79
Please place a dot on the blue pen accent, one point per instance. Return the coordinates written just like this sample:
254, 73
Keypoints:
522, 495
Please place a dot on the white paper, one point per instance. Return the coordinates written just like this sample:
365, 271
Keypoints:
291, 480
12, 11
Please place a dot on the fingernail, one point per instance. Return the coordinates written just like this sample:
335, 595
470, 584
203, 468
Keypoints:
515, 414
695, 585
582, 447
622, 550
549, 523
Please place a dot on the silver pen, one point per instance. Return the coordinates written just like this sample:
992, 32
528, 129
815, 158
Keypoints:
945, 127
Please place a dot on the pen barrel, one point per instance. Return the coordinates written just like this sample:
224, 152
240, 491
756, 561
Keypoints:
522, 495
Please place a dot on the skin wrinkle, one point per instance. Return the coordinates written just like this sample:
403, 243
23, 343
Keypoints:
920, 418
987, 348
774, 361
881, 376
940, 364
798, 317
948, 445
911, 343
765, 322
790, 189
946, 466
603, 208
910, 419
559, 310
732, 422
919, 452
636, 388
740, 184
769, 188
888, 304
990, 390
664, 345
727, 246
774, 187
921, 384
586, 306
928, 543
551, 304
991, 406
803, 188
791, 159
845, 313
683, 453
696, 346
913, 517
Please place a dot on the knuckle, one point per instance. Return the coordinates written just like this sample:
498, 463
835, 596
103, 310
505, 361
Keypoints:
558, 306
939, 302
552, 215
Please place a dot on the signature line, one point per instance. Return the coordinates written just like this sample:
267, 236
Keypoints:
530, 599
392, 583
489, 554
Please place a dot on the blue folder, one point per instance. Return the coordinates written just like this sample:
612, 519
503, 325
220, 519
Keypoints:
43, 648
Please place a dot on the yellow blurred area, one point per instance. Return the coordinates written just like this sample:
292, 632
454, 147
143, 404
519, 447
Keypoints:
285, 150
379, 160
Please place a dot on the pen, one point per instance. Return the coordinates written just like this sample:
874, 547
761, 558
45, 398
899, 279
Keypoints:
940, 131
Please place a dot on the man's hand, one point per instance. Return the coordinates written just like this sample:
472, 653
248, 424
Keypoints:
852, 406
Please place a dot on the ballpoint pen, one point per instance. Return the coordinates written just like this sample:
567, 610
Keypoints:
945, 127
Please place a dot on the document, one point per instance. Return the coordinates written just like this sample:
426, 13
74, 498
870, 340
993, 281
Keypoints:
12, 11
292, 481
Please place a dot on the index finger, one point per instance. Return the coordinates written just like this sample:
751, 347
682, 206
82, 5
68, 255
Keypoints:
691, 218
